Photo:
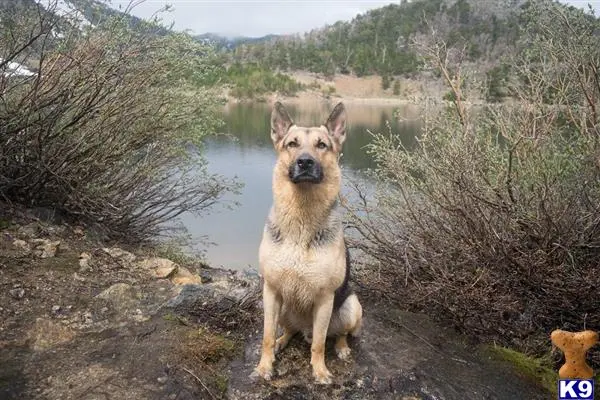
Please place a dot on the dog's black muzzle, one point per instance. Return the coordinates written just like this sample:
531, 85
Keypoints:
306, 169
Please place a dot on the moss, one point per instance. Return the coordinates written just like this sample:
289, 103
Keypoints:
221, 382
208, 346
537, 369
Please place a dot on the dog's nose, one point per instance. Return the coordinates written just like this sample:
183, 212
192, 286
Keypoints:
305, 162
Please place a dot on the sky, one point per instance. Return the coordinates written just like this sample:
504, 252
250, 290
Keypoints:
255, 18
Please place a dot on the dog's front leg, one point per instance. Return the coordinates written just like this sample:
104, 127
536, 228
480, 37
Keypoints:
272, 307
321, 316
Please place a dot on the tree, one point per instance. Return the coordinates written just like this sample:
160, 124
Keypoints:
396, 88
385, 82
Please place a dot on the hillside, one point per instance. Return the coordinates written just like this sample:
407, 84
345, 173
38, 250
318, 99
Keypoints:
379, 41
69, 13
22, 42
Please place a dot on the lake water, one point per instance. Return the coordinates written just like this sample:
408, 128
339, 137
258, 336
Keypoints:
250, 157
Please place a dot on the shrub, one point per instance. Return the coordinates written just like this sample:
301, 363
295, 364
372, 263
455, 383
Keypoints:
107, 129
492, 222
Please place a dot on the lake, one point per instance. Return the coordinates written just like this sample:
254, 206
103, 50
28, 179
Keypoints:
249, 155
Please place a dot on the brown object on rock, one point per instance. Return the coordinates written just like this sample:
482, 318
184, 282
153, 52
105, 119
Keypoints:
574, 345
184, 277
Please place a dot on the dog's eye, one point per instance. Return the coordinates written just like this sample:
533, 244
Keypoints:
292, 144
321, 145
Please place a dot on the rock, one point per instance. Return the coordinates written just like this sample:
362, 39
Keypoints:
44, 248
77, 277
55, 309
64, 247
184, 277
87, 318
215, 295
160, 268
191, 295
29, 231
117, 293
47, 334
206, 276
121, 295
138, 316
84, 262
22, 245
120, 254
17, 293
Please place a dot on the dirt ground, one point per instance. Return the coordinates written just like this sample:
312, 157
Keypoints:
104, 330
82, 321
368, 89
399, 355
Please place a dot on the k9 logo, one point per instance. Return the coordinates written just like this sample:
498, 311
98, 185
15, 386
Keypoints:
575, 389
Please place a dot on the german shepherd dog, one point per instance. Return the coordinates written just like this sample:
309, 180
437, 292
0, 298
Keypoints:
303, 256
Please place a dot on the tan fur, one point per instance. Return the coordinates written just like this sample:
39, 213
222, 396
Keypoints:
299, 278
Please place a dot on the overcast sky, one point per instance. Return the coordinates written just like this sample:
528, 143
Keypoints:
258, 18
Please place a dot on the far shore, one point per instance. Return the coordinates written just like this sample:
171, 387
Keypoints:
354, 90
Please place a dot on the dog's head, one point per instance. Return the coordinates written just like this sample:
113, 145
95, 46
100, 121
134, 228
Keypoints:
308, 154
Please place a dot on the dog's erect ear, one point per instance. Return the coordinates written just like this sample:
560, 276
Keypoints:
336, 123
280, 122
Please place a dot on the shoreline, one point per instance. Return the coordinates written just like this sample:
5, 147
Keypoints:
312, 97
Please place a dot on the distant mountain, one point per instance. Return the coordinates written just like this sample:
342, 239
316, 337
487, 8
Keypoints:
230, 43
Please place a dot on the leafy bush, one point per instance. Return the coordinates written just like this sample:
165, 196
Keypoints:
493, 220
106, 128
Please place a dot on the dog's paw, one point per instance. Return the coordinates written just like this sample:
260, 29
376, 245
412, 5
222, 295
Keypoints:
343, 353
322, 376
265, 372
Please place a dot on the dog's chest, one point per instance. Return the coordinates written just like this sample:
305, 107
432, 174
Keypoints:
299, 274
